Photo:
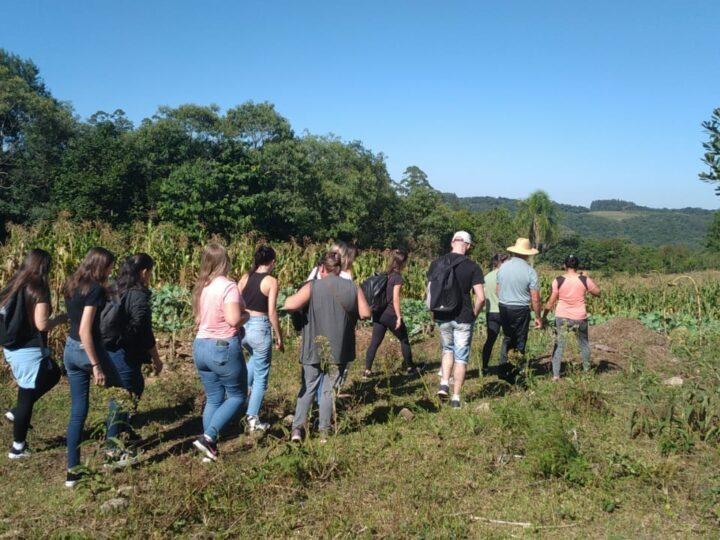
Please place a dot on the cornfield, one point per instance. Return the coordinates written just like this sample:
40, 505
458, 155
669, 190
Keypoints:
177, 261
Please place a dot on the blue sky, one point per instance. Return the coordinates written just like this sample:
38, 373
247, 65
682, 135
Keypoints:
587, 100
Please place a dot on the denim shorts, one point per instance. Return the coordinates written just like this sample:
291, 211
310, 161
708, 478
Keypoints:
456, 338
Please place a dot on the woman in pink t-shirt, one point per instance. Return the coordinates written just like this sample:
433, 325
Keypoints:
219, 313
569, 291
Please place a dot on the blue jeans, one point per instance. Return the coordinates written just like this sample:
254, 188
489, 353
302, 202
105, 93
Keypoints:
258, 342
132, 380
222, 370
79, 374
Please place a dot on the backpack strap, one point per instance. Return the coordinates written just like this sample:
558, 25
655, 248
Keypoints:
560, 280
583, 279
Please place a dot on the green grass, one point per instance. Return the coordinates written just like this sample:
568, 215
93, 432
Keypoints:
557, 460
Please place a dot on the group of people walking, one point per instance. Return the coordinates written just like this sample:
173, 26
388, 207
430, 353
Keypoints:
110, 333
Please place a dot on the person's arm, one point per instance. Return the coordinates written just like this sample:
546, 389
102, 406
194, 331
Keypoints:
273, 314
551, 302
363, 307
479, 291
86, 338
234, 311
41, 316
535, 302
396, 304
298, 300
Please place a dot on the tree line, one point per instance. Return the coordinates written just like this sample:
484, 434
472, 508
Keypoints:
241, 170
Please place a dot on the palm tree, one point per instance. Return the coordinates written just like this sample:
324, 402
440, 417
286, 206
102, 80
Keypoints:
540, 218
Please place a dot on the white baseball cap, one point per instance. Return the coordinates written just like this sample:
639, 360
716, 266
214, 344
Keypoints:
464, 236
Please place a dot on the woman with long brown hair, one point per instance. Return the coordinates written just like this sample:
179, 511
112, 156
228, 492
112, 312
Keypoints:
391, 317
219, 313
85, 356
25, 307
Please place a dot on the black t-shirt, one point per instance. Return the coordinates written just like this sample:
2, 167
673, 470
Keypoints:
95, 296
468, 274
38, 339
394, 278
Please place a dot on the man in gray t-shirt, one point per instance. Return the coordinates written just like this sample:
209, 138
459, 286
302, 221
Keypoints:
517, 288
328, 345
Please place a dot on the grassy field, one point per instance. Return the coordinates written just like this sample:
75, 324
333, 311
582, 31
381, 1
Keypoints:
613, 454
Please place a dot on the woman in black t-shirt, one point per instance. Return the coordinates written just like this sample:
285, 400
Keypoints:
85, 356
25, 305
391, 318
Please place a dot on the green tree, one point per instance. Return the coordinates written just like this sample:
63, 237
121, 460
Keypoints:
256, 124
712, 240
100, 177
538, 218
425, 216
206, 197
712, 150
34, 131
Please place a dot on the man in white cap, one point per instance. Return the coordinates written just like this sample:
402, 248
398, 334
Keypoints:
451, 278
517, 288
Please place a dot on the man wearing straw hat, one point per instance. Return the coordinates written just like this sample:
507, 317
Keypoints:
517, 287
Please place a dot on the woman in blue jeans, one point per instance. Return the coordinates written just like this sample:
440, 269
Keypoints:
219, 313
130, 346
259, 291
85, 357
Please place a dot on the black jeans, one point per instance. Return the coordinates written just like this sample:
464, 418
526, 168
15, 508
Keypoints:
515, 322
493, 331
387, 321
47, 377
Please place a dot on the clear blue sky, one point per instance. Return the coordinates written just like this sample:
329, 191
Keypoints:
587, 100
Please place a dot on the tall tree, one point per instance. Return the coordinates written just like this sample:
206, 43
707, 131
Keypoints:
539, 218
712, 150
34, 131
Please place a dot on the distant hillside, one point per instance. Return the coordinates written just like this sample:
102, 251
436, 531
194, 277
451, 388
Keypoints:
614, 218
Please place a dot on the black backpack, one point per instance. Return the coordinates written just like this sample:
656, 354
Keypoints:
375, 290
561, 279
15, 327
443, 291
113, 322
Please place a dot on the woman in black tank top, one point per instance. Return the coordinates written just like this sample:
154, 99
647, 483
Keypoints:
260, 290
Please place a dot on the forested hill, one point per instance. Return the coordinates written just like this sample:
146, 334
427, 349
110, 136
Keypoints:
616, 219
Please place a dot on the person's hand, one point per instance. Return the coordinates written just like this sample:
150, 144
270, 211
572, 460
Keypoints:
157, 365
279, 345
98, 375
538, 324
398, 323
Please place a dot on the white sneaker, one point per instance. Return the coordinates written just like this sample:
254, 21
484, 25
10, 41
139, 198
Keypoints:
254, 424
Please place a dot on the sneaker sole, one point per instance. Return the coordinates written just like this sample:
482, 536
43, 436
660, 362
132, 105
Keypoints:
17, 456
201, 448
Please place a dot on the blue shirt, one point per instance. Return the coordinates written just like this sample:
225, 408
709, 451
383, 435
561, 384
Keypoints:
516, 277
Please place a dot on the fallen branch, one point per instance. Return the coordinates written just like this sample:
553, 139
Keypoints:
523, 524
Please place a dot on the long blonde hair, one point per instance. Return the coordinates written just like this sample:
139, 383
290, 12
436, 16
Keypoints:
215, 262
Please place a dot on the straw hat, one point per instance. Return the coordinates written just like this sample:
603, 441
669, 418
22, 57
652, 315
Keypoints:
522, 247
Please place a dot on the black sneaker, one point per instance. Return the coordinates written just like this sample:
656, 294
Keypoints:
14, 453
443, 391
72, 479
415, 368
455, 404
207, 447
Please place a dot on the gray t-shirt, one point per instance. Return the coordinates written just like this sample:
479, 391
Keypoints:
516, 277
332, 315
